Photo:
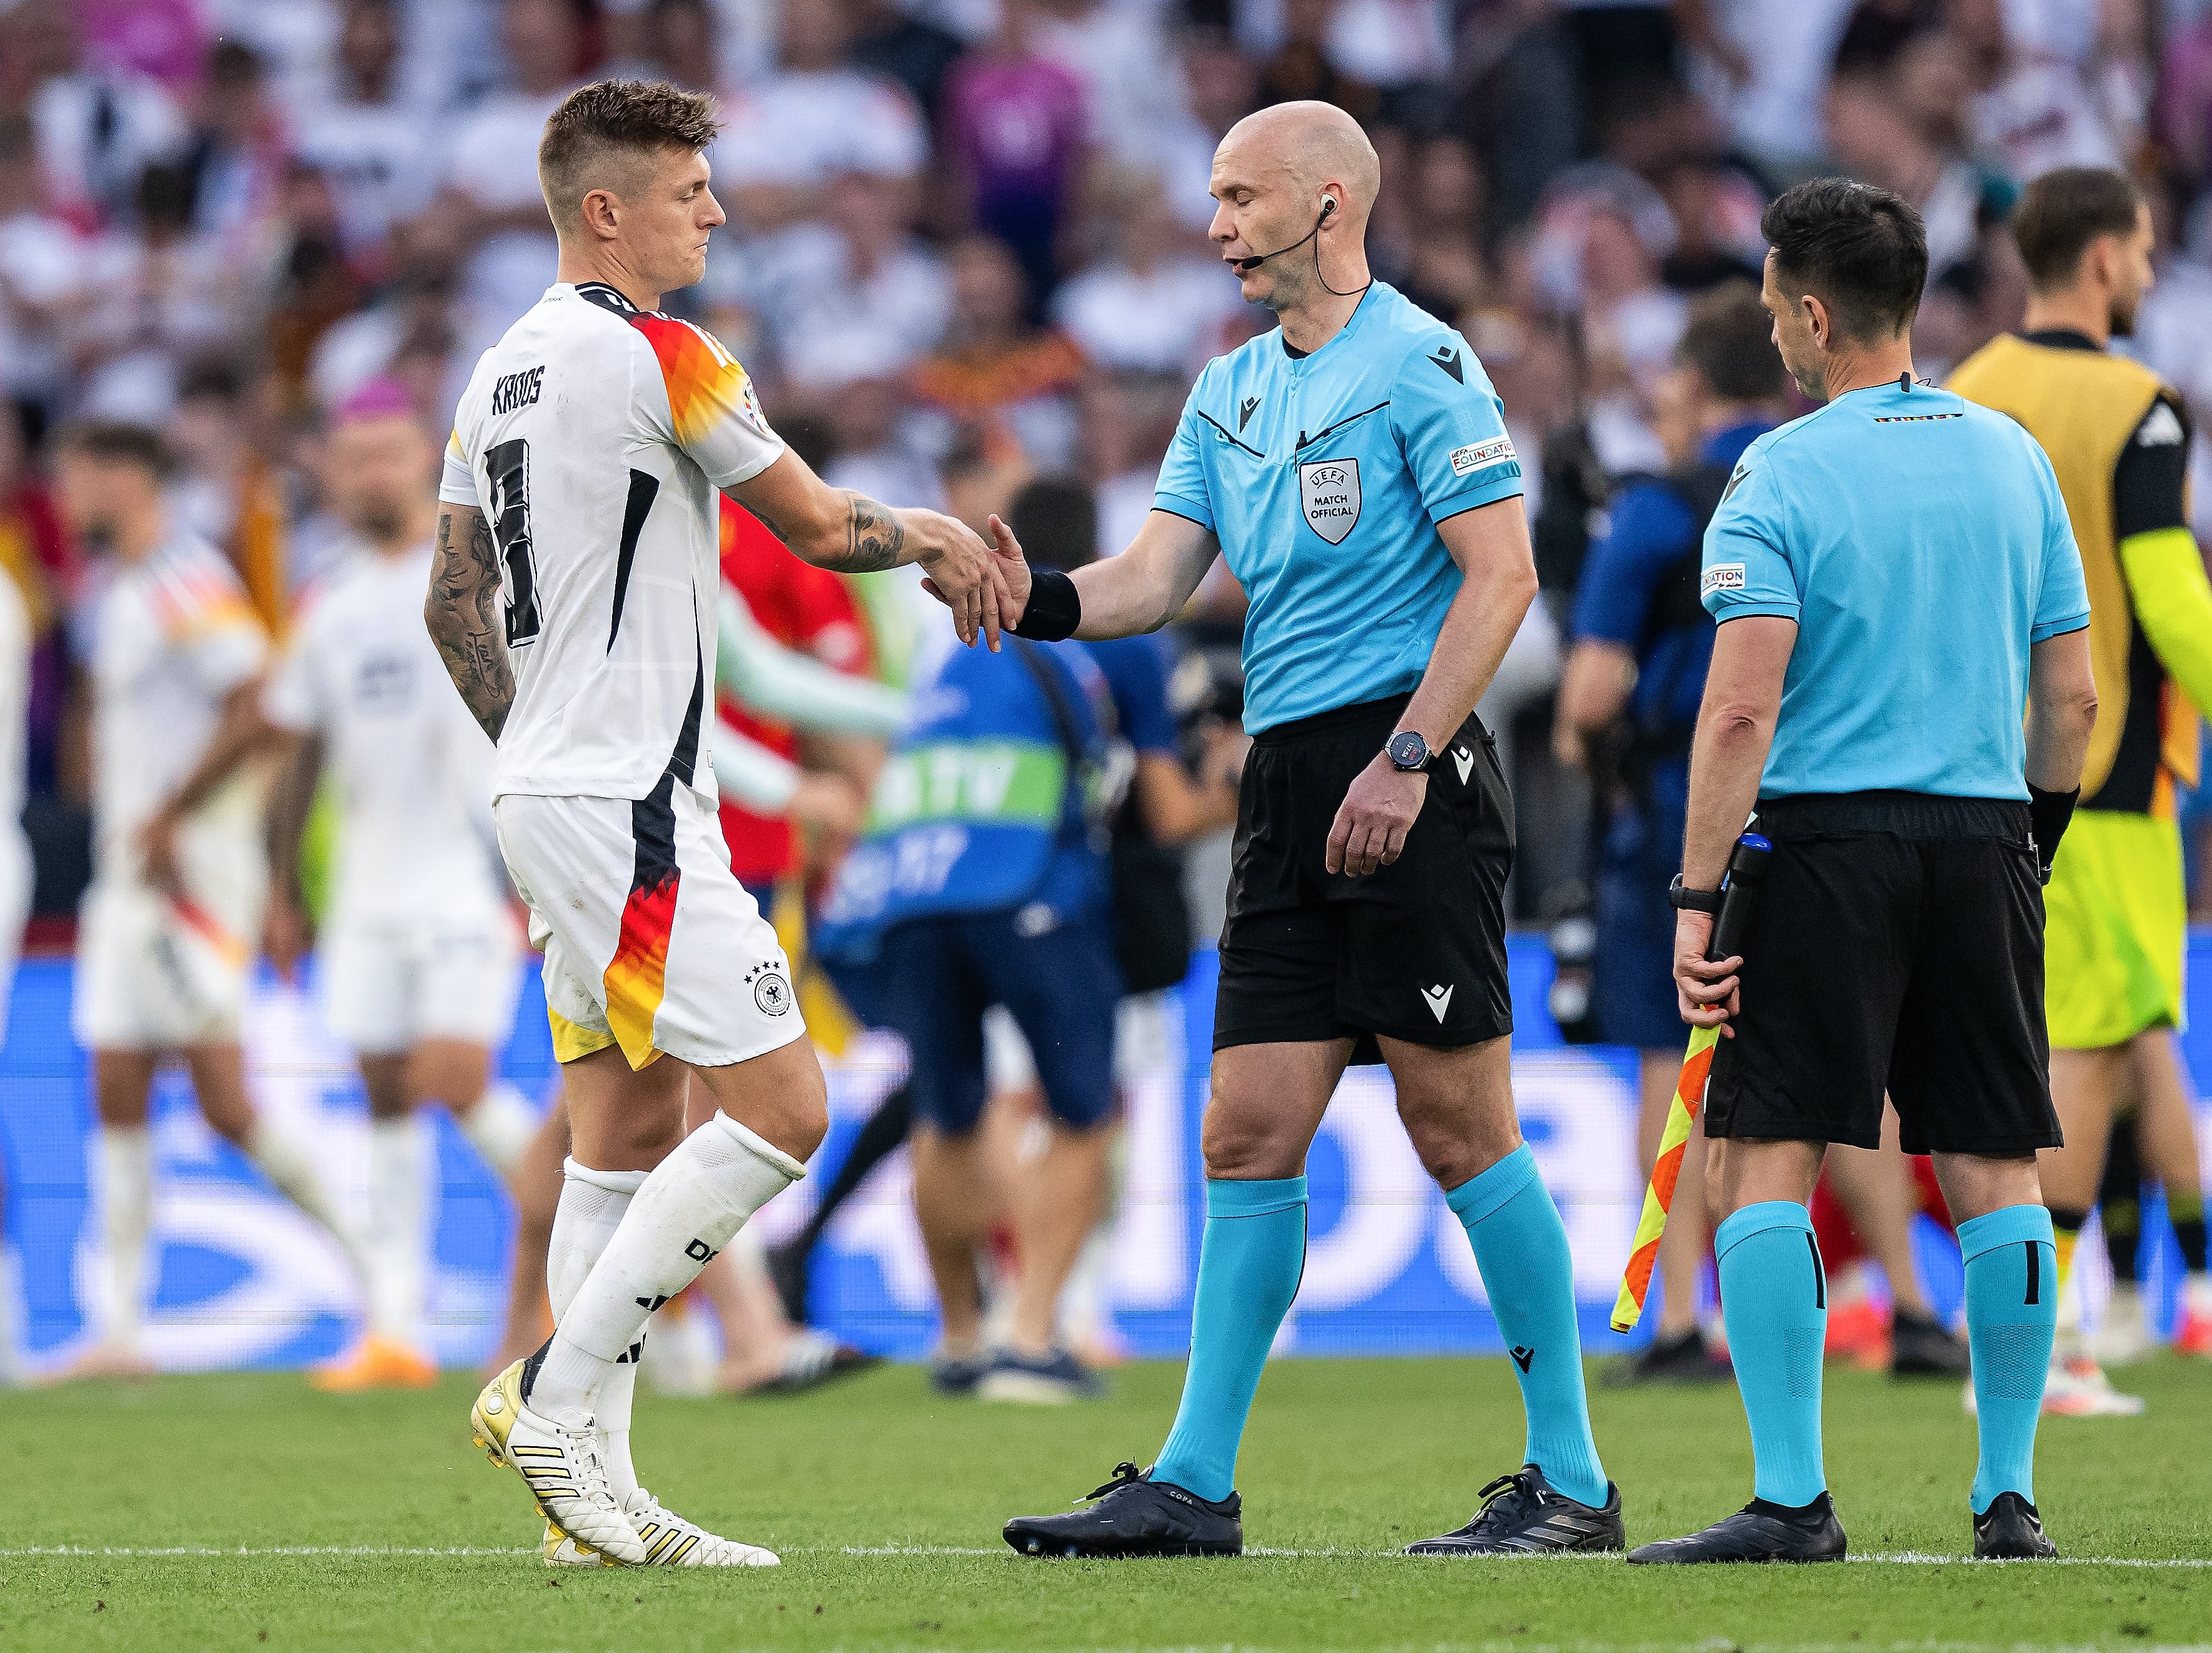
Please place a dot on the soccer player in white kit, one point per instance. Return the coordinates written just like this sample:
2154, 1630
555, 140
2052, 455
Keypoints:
167, 928
419, 950
574, 597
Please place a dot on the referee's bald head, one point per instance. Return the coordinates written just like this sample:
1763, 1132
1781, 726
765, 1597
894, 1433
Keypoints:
1286, 175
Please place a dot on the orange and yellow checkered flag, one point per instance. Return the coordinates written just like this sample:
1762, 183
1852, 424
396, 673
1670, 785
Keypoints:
1747, 868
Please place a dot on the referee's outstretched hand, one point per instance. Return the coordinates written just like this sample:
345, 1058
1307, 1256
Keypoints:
1377, 812
1705, 990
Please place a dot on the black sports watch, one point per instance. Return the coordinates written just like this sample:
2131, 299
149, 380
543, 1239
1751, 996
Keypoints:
1679, 896
1408, 752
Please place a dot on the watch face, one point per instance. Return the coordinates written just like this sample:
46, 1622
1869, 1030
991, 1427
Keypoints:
1408, 750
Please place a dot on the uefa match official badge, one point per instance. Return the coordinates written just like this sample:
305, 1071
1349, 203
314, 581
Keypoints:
771, 991
1328, 490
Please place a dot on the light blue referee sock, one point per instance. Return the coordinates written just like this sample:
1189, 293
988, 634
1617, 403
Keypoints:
2012, 1317
1521, 1245
1774, 1298
1248, 1267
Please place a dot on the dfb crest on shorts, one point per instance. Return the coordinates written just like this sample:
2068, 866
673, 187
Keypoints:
1328, 490
771, 992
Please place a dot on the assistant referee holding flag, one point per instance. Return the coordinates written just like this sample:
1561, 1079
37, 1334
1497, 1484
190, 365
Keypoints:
1895, 577
1353, 466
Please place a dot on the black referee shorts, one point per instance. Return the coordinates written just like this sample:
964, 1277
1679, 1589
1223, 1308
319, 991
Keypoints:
1898, 944
1415, 950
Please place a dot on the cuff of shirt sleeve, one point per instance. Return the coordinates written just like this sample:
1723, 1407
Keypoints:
2044, 633
1181, 505
1504, 484
449, 495
1723, 613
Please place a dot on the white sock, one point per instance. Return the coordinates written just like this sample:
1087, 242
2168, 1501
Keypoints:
286, 1161
686, 1211
395, 1242
126, 1194
499, 1125
591, 1210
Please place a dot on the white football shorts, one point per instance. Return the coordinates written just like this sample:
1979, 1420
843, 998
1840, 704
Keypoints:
650, 941
158, 973
391, 982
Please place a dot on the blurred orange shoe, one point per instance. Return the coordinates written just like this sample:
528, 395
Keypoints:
1858, 1331
375, 1362
2193, 1335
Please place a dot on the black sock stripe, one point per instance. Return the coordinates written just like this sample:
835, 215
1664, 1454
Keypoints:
2034, 1272
1819, 1276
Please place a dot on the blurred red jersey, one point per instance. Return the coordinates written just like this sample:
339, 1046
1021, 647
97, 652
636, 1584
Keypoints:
804, 608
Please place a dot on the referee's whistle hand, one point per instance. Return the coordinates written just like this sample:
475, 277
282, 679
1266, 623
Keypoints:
1378, 810
1705, 990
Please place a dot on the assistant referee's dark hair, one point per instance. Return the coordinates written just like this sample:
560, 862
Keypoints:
616, 121
1860, 250
2062, 211
1729, 340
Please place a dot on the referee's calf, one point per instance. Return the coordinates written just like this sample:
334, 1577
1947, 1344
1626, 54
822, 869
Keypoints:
1894, 577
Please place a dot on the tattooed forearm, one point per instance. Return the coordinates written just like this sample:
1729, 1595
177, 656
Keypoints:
463, 613
875, 539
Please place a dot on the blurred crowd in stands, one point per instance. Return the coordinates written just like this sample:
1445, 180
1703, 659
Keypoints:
967, 240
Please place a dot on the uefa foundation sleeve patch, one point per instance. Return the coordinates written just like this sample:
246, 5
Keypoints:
1721, 576
1476, 455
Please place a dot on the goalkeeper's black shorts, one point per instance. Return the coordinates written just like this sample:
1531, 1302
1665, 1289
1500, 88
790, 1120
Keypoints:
1896, 945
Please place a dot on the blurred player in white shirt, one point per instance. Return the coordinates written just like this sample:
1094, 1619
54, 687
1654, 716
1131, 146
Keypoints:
165, 934
419, 954
574, 599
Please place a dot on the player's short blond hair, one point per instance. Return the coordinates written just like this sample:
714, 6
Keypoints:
601, 128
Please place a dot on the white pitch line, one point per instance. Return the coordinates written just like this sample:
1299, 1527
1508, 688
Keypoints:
260, 1550
1895, 1559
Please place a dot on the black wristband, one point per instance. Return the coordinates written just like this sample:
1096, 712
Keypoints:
2048, 813
1055, 608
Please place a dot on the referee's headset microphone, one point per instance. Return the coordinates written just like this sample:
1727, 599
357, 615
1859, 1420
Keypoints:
1246, 266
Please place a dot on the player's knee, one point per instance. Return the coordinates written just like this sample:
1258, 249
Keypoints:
1242, 1143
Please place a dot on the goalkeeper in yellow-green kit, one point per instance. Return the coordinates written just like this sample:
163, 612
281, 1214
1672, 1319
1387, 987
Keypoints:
2116, 907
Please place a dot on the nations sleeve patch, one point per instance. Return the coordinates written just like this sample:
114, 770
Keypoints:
1721, 576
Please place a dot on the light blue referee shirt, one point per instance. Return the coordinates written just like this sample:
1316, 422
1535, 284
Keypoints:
1324, 476
1921, 544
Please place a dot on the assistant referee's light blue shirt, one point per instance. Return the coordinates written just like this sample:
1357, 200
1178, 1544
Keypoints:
1324, 477
1920, 542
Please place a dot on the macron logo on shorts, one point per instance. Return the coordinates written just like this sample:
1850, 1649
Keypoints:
1438, 1000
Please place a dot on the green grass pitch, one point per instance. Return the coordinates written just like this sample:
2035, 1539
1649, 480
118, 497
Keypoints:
296, 1520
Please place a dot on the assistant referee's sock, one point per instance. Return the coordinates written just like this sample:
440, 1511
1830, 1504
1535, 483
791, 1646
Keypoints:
1520, 1246
2012, 1317
1248, 1267
1774, 1298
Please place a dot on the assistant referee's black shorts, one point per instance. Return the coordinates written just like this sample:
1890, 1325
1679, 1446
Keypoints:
1898, 944
1415, 950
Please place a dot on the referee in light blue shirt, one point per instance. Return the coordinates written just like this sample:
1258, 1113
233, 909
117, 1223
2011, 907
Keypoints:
1353, 467
1896, 581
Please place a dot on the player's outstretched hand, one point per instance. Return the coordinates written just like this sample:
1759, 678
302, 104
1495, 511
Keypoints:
960, 571
1377, 812
1705, 990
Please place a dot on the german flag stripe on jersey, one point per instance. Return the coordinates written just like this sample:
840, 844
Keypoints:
706, 384
636, 977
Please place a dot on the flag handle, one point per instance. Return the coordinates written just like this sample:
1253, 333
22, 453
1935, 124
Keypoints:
1747, 870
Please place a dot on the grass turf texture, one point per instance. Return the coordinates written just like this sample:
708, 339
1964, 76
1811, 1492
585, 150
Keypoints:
1346, 1456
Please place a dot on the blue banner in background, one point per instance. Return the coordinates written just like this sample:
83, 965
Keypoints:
243, 1280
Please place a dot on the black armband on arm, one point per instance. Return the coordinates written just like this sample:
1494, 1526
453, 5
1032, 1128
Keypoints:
1055, 608
2048, 813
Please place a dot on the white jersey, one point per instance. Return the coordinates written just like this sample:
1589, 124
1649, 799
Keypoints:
593, 437
172, 637
413, 769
